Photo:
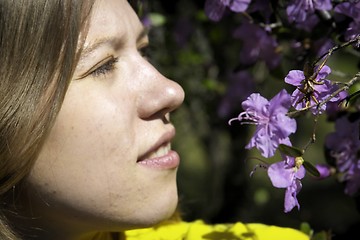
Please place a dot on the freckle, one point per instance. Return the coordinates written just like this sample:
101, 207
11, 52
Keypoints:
54, 192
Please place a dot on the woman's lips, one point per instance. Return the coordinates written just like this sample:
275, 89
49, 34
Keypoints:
160, 155
167, 160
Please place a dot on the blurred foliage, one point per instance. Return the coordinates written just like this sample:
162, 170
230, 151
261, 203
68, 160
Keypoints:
214, 181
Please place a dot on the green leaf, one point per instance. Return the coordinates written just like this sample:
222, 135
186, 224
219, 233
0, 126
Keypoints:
290, 151
321, 236
311, 169
305, 228
157, 19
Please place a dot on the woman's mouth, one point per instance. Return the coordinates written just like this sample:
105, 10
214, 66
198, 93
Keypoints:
161, 151
162, 158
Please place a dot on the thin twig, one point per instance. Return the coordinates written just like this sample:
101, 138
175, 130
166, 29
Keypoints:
347, 85
313, 136
337, 47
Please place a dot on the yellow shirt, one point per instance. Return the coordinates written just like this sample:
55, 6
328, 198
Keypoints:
198, 230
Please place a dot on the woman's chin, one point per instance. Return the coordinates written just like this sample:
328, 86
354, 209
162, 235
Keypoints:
162, 212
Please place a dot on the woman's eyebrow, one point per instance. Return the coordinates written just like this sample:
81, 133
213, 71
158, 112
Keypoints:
88, 50
115, 41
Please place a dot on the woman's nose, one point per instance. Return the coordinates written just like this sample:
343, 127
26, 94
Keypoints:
160, 97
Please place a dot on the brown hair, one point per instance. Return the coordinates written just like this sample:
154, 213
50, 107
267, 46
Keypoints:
38, 53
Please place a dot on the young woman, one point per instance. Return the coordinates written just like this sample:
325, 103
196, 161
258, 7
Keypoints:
85, 131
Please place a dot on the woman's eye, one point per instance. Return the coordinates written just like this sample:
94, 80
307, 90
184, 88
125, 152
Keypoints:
104, 67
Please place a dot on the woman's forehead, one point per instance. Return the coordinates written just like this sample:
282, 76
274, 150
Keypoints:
113, 17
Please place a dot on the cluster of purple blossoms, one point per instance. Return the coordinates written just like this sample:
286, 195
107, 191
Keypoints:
351, 10
344, 145
215, 9
273, 128
258, 45
300, 10
310, 92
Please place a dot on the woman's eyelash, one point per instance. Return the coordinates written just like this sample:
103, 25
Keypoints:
110, 64
105, 68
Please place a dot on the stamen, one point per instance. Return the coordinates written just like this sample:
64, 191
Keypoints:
263, 165
256, 167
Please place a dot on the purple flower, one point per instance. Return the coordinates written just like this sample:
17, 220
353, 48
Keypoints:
287, 174
309, 93
349, 9
299, 10
272, 125
333, 108
353, 31
352, 10
215, 9
308, 24
344, 145
258, 44
324, 170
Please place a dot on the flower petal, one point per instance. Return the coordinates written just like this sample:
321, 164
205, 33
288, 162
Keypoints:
255, 103
280, 103
239, 5
295, 77
263, 142
214, 9
290, 196
280, 176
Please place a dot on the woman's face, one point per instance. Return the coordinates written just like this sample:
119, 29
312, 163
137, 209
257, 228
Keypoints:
107, 162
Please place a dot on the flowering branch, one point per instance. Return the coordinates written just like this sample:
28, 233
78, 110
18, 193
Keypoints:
346, 87
354, 80
261, 40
